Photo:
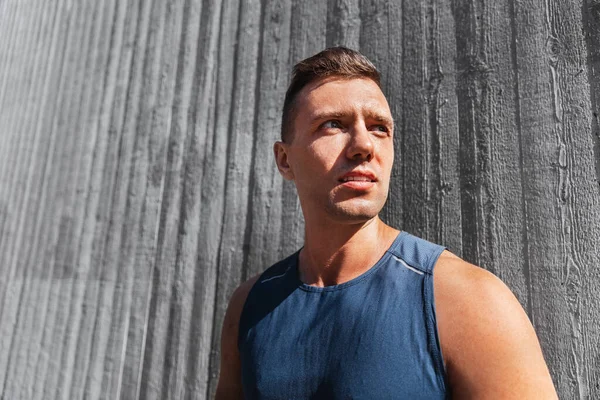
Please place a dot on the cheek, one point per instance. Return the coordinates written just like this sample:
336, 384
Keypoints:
320, 155
387, 155
308, 164
390, 162
327, 149
321, 161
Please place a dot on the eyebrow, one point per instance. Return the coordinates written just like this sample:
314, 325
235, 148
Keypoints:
319, 116
379, 117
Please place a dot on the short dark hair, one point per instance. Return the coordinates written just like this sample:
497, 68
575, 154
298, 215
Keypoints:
335, 61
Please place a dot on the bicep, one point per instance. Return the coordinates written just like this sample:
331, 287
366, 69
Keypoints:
230, 374
491, 347
230, 378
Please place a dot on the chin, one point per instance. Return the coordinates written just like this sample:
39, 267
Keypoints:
353, 213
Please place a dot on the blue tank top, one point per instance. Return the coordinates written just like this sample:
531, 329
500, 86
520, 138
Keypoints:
373, 337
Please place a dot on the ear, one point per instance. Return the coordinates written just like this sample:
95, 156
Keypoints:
280, 149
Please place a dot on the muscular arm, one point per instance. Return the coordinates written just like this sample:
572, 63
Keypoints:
230, 377
488, 343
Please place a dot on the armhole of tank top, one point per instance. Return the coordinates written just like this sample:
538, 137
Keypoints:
251, 293
432, 328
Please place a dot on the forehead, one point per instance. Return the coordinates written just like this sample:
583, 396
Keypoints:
342, 93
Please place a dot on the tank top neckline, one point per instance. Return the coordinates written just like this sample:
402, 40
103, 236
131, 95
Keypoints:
331, 288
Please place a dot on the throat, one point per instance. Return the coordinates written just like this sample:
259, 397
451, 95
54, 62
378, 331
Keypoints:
321, 266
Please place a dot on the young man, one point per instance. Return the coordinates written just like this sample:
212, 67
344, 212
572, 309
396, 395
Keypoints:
363, 310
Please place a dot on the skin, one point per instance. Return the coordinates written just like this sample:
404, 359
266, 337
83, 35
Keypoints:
489, 346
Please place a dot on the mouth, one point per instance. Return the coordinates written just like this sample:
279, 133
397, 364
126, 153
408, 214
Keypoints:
358, 180
358, 176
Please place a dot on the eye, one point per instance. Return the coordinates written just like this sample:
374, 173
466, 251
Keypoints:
380, 129
332, 124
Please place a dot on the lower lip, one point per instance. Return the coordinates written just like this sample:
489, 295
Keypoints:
358, 185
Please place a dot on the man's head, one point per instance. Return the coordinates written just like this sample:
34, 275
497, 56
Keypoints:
337, 143
339, 61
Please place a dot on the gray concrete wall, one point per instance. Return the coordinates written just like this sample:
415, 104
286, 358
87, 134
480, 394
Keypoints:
138, 188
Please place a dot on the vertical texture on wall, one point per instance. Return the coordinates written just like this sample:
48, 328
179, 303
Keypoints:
138, 187
591, 16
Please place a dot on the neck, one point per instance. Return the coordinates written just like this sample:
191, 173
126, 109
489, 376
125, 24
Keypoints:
336, 253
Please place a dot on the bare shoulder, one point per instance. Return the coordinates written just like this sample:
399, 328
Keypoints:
489, 345
238, 299
230, 379
234, 311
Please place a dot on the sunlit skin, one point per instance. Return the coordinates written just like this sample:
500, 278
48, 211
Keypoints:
340, 158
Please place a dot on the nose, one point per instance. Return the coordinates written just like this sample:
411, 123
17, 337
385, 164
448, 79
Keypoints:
361, 145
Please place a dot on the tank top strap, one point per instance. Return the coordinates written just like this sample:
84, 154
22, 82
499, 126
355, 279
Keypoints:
418, 253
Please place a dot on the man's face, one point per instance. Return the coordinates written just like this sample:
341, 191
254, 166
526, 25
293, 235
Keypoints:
341, 154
